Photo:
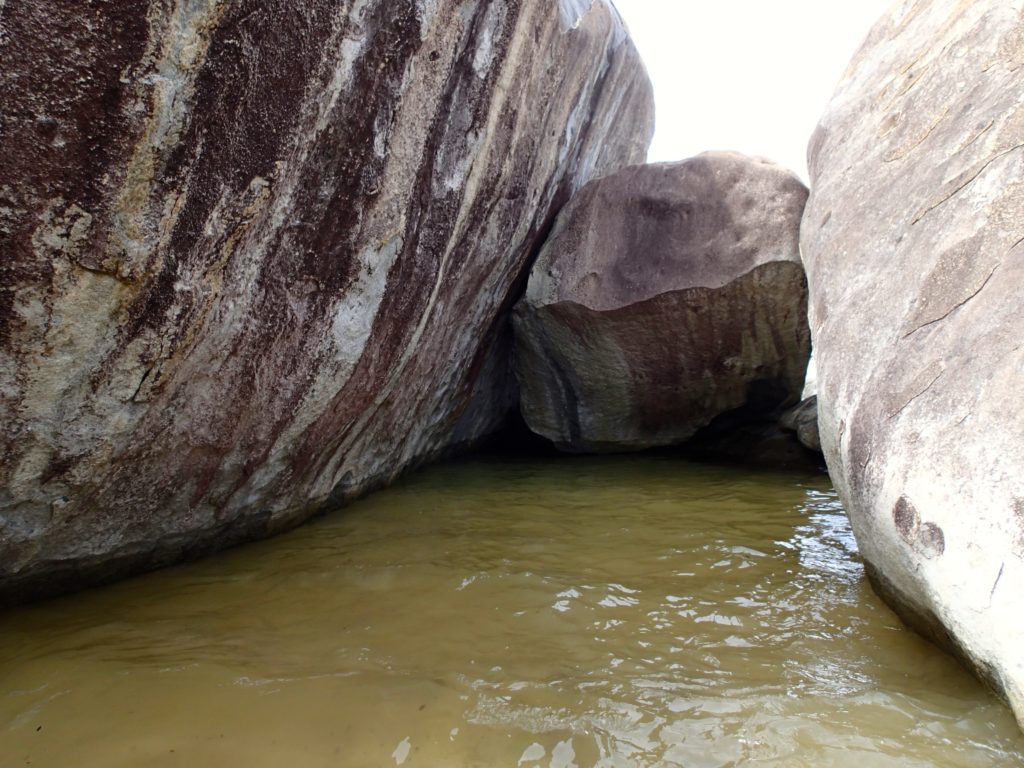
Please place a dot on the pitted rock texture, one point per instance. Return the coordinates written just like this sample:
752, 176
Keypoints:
667, 295
914, 244
257, 257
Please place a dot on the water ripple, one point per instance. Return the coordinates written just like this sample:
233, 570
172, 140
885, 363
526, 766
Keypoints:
606, 612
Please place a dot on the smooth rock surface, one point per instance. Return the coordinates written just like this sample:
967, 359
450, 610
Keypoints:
257, 258
667, 295
914, 244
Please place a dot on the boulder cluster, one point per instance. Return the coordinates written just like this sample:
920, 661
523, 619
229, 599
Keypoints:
257, 262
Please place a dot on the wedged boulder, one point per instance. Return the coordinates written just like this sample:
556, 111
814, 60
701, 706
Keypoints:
667, 295
914, 244
258, 257
802, 420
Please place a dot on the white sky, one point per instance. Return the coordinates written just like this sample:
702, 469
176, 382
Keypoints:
748, 75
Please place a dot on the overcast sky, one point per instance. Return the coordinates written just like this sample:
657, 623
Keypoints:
748, 75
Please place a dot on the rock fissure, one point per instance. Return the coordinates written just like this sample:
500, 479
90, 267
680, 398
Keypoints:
970, 142
995, 584
961, 186
956, 306
902, 152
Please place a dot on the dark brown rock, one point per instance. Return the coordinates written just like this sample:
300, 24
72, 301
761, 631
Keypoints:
257, 256
912, 240
667, 295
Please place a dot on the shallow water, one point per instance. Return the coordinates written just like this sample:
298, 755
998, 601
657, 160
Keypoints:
613, 612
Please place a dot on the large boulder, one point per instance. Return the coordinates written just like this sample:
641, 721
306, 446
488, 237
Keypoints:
257, 257
667, 295
914, 244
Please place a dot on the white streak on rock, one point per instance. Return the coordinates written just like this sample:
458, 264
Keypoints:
572, 12
178, 55
355, 314
485, 50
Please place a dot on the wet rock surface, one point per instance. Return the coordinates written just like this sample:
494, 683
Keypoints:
912, 240
667, 295
257, 257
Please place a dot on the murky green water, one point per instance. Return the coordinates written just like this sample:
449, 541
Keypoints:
613, 612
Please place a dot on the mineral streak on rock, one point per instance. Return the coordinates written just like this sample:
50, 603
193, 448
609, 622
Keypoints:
256, 255
912, 240
667, 296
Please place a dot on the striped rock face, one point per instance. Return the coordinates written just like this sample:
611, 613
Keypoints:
667, 295
913, 240
257, 257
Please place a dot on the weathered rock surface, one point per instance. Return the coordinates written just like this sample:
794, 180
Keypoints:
802, 420
257, 257
914, 245
667, 295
